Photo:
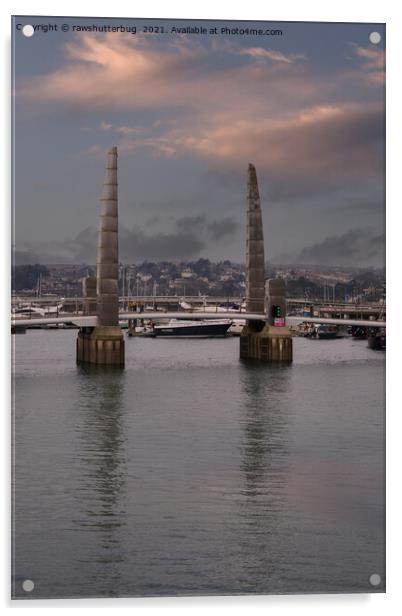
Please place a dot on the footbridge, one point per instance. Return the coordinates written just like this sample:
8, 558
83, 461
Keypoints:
93, 321
265, 336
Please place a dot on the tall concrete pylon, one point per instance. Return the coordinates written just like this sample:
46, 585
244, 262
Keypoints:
107, 264
255, 260
266, 339
104, 344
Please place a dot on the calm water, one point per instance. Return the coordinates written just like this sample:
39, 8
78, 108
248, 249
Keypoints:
191, 472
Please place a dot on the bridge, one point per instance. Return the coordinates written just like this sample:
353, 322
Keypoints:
265, 336
76, 305
93, 320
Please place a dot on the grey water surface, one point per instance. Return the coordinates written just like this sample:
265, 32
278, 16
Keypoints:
191, 472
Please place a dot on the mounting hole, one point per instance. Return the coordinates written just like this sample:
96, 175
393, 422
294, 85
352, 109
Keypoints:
28, 585
375, 38
375, 579
28, 30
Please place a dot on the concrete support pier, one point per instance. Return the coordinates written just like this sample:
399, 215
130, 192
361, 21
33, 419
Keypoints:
104, 344
270, 344
266, 339
100, 345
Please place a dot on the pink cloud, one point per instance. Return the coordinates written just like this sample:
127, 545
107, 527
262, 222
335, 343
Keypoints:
371, 66
372, 58
330, 145
293, 122
262, 53
106, 72
114, 73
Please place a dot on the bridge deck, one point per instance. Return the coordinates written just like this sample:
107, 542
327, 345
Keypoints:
92, 321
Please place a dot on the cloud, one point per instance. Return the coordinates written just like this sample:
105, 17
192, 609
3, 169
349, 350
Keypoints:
129, 130
135, 245
340, 141
315, 150
81, 249
373, 58
370, 67
27, 257
356, 247
222, 228
135, 73
118, 73
230, 104
105, 126
191, 236
124, 130
187, 224
261, 53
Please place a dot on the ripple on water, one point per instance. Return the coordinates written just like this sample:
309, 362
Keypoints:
193, 472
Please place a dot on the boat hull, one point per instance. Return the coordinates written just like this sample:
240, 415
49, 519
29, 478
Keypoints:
327, 335
328, 332
204, 330
377, 343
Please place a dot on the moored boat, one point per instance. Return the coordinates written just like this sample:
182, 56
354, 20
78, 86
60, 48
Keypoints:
358, 332
377, 340
191, 329
236, 327
327, 332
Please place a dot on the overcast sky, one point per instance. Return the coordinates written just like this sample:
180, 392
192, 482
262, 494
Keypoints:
188, 113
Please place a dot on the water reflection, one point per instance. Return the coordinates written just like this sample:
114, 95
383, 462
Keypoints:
196, 473
101, 486
264, 459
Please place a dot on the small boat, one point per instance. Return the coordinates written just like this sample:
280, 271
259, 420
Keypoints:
327, 332
377, 341
27, 312
236, 327
358, 332
305, 330
191, 329
185, 305
18, 329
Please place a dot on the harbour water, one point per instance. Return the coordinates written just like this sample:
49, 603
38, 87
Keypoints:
193, 473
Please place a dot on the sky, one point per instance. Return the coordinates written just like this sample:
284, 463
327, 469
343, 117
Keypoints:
188, 112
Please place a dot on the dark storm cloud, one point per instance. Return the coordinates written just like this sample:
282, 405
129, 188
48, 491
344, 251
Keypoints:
226, 227
215, 229
377, 246
355, 247
333, 150
81, 249
189, 224
27, 257
190, 237
136, 245
84, 245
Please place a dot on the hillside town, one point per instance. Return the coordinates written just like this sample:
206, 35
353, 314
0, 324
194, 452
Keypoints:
203, 277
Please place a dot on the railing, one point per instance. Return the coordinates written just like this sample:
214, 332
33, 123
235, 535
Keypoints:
91, 321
